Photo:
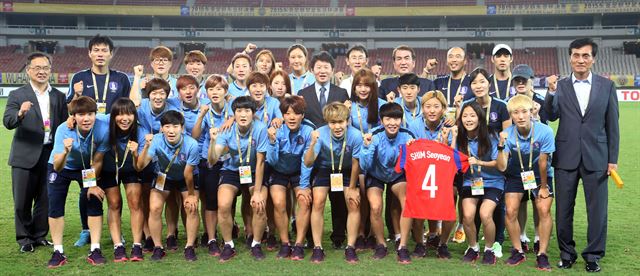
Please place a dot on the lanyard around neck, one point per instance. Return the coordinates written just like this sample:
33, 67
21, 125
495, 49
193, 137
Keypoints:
95, 87
495, 84
530, 148
248, 145
344, 146
90, 149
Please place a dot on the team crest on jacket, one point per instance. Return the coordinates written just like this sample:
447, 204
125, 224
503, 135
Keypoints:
52, 177
493, 116
113, 86
300, 140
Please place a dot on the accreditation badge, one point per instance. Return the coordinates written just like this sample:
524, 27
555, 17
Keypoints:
89, 178
337, 185
245, 174
528, 180
102, 108
451, 113
47, 125
477, 186
158, 183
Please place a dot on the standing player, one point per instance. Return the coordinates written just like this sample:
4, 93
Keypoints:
300, 77
194, 63
338, 147
241, 69
178, 157
409, 87
280, 84
357, 58
161, 59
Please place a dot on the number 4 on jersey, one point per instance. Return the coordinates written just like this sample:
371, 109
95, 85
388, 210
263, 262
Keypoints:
429, 182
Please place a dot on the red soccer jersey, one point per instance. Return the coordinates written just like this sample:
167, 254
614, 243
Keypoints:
430, 168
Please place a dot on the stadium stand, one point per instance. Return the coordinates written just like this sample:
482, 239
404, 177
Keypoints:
11, 59
70, 60
405, 3
610, 61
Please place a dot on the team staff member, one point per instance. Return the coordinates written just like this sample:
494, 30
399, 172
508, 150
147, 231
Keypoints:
161, 59
178, 159
357, 58
300, 77
587, 148
456, 85
404, 62
522, 79
501, 80
77, 155
33, 110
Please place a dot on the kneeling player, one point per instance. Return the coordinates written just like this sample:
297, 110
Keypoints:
338, 147
178, 158
378, 158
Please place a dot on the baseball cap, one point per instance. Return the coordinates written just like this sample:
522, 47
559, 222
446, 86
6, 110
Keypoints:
500, 47
523, 71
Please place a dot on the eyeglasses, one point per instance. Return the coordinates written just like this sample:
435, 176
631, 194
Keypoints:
41, 68
160, 60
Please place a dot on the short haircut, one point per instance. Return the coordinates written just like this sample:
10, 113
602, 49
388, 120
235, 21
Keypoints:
335, 111
285, 77
464, 53
434, 94
358, 48
322, 56
403, 48
478, 71
294, 102
193, 56
257, 77
239, 56
519, 101
409, 79
216, 79
269, 54
172, 117
82, 104
161, 52
185, 80
244, 102
157, 83
581, 42
298, 46
391, 110
35, 55
99, 39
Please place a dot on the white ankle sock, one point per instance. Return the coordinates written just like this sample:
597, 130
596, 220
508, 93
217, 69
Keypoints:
254, 243
230, 243
95, 246
59, 248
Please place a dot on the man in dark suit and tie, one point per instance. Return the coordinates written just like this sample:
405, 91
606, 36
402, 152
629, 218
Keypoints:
587, 144
34, 110
316, 97
404, 61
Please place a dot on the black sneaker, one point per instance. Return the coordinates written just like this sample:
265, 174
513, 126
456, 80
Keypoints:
536, 247
318, 255
471, 256
525, 246
403, 256
443, 252
190, 254
204, 240
120, 254
257, 253
227, 253
95, 257
214, 250
489, 257
361, 243
380, 252
172, 243
136, 254
516, 258
148, 245
350, 255
420, 251
542, 262
285, 251
27, 248
158, 254
272, 243
337, 244
57, 260
433, 241
297, 254
371, 242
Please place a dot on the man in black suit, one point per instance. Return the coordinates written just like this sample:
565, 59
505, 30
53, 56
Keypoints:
587, 144
316, 97
34, 110
404, 61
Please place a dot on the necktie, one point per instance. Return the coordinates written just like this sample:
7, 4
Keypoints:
323, 99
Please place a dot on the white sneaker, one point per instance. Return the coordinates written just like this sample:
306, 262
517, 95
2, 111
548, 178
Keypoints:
497, 249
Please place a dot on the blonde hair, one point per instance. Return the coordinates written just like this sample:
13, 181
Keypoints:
335, 111
434, 94
519, 101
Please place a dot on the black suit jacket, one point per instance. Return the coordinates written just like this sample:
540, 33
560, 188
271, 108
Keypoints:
27, 139
593, 138
314, 113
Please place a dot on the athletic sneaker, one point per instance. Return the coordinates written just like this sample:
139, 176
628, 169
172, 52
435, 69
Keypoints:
403, 256
227, 253
120, 254
285, 251
318, 255
297, 254
84, 238
380, 252
497, 249
459, 236
420, 251
172, 243
136, 253
350, 255
190, 254
158, 253
57, 260
272, 243
516, 258
433, 241
95, 257
443, 252
536, 247
214, 250
542, 262
256, 252
361, 243
471, 256
525, 246
148, 245
489, 258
